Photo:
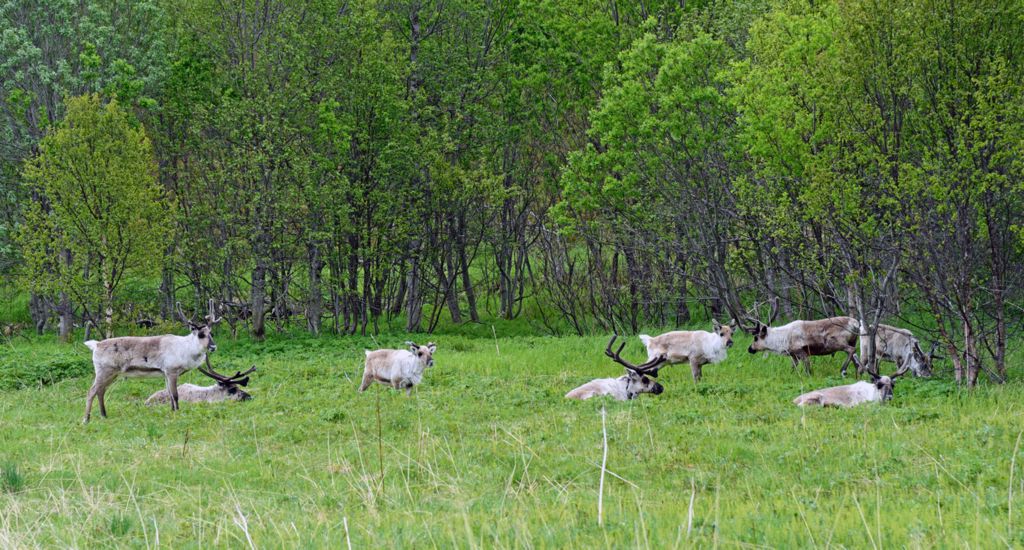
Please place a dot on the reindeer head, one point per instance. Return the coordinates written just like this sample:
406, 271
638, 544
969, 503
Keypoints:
725, 331
885, 384
920, 362
229, 384
637, 383
203, 331
637, 379
424, 354
759, 330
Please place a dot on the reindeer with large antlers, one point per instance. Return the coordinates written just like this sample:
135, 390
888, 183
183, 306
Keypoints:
167, 355
851, 395
226, 388
637, 379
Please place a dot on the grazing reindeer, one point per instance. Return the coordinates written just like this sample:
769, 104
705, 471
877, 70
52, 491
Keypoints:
802, 339
851, 395
226, 388
167, 355
625, 387
898, 346
696, 347
398, 368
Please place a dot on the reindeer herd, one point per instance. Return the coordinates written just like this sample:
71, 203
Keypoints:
799, 340
170, 356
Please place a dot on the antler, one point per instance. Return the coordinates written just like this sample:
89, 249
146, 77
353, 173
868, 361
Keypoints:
901, 371
184, 319
211, 317
751, 329
651, 367
240, 378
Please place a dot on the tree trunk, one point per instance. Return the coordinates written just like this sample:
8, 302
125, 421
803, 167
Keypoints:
258, 298
467, 281
314, 302
414, 294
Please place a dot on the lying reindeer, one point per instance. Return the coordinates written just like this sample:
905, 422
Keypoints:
697, 347
851, 395
168, 356
398, 368
625, 387
226, 389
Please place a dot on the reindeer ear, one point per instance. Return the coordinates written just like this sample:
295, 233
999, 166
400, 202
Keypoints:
732, 323
715, 324
412, 347
243, 382
762, 330
432, 347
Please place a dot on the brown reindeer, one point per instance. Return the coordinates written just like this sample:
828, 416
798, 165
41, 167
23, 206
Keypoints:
802, 339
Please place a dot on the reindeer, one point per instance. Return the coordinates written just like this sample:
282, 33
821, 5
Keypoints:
898, 346
626, 387
802, 339
851, 395
697, 347
398, 368
167, 355
226, 388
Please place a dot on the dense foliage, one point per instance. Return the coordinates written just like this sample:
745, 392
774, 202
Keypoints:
587, 165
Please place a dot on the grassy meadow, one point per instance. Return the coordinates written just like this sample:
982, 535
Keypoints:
487, 453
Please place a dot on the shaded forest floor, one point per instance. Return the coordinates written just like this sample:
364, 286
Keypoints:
488, 453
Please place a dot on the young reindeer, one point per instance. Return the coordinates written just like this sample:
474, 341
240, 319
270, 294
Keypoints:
851, 395
398, 368
802, 339
696, 347
167, 355
626, 387
226, 388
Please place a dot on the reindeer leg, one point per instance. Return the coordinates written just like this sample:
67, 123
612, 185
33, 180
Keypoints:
99, 387
172, 389
695, 370
796, 362
849, 357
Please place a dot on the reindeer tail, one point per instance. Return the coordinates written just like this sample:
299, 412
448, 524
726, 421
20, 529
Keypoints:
645, 339
91, 344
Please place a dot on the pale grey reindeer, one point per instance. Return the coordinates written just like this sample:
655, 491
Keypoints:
637, 380
879, 389
802, 339
167, 355
696, 347
226, 389
898, 346
398, 368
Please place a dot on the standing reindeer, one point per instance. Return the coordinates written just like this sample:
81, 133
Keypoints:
626, 387
802, 339
851, 395
697, 347
898, 346
226, 388
167, 355
398, 368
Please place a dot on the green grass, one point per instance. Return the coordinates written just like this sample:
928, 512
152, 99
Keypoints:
488, 453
